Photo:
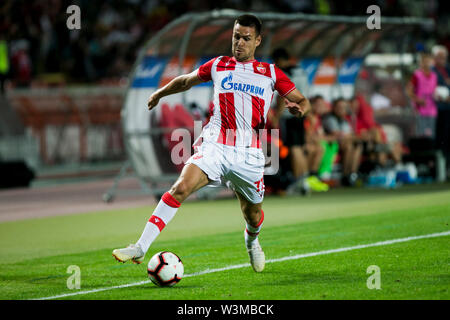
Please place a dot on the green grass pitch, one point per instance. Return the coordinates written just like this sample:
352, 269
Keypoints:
207, 235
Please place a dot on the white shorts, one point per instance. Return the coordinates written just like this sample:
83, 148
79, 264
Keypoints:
239, 168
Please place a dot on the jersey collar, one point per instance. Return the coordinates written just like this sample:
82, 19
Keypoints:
251, 61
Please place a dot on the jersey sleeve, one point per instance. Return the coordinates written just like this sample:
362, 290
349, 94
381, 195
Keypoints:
283, 84
204, 71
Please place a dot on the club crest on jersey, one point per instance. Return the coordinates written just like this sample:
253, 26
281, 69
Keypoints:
261, 68
228, 84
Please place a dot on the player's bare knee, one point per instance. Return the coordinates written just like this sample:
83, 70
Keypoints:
252, 215
180, 191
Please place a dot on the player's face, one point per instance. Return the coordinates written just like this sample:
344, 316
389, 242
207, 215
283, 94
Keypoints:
244, 42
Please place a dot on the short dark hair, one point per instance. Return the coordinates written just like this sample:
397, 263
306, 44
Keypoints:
313, 99
280, 53
249, 20
336, 101
426, 54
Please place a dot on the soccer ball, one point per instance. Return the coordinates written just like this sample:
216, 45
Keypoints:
165, 269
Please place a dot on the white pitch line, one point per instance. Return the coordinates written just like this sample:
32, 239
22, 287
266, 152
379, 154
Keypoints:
244, 265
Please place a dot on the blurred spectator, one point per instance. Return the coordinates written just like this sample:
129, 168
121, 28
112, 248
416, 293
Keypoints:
21, 63
336, 125
115, 30
314, 135
372, 134
294, 132
196, 112
442, 69
363, 121
305, 175
421, 90
4, 62
367, 130
321, 149
379, 101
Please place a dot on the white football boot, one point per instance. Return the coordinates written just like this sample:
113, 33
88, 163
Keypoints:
257, 257
133, 252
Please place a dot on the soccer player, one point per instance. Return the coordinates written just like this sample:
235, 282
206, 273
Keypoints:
243, 89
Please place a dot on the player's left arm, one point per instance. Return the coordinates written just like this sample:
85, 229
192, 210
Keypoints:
297, 103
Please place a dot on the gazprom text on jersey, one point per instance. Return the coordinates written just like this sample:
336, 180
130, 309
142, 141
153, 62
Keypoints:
227, 84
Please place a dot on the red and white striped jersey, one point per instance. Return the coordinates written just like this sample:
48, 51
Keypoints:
243, 93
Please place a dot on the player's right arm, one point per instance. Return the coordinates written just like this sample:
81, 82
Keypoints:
179, 84
182, 83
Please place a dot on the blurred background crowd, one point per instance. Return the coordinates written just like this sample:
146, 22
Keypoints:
41, 47
350, 135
